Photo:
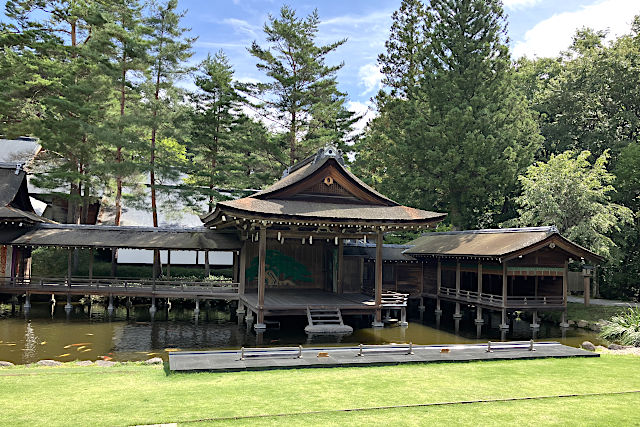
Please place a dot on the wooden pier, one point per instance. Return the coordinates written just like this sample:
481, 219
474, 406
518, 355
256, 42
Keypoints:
363, 355
121, 287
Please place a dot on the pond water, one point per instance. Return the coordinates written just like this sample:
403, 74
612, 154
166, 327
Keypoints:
128, 335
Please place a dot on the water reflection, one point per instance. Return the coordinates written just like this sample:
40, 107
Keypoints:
130, 332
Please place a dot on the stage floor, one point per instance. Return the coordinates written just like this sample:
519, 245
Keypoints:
295, 301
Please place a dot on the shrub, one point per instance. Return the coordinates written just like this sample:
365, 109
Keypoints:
623, 328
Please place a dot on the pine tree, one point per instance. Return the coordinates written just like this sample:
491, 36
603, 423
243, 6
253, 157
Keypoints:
456, 141
71, 60
217, 107
302, 95
170, 48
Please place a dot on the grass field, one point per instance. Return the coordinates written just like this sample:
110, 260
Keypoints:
137, 394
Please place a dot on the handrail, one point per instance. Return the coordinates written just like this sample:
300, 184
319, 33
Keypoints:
473, 296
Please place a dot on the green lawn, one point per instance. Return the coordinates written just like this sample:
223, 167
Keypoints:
135, 394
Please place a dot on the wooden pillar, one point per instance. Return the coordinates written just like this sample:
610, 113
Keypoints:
91, 256
262, 256
236, 270
69, 266
478, 308
154, 273
479, 278
242, 273
535, 290
168, 263
378, 279
587, 288
438, 285
565, 282
504, 284
340, 265
114, 262
458, 278
207, 269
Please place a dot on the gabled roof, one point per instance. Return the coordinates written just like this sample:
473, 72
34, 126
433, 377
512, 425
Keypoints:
15, 203
320, 188
499, 244
390, 252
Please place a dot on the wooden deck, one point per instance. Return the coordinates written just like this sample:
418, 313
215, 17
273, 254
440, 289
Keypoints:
122, 287
295, 301
299, 357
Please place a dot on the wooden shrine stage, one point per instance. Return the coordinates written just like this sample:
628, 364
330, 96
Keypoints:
300, 357
293, 302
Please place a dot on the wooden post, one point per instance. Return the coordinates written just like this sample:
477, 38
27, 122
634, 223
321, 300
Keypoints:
236, 270
504, 284
479, 319
587, 288
114, 262
262, 255
153, 275
91, 256
340, 265
207, 269
421, 280
438, 285
565, 282
168, 263
535, 290
458, 279
479, 279
378, 282
69, 266
242, 279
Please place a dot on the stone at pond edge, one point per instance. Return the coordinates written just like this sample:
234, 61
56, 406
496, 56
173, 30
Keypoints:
588, 345
3, 363
582, 324
154, 361
105, 363
84, 363
616, 347
48, 362
571, 322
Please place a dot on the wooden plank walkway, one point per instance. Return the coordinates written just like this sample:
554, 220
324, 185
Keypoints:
296, 301
316, 357
122, 287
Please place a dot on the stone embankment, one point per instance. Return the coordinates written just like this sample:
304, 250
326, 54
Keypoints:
612, 349
100, 362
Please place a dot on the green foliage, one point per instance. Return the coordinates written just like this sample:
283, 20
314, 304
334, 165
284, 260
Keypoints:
302, 95
575, 196
453, 132
624, 328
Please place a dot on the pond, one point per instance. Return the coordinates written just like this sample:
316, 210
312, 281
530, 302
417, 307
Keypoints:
89, 333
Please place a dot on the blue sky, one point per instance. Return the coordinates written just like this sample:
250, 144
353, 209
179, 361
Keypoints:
536, 28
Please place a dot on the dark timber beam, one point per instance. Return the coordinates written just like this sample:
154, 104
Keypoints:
378, 281
262, 256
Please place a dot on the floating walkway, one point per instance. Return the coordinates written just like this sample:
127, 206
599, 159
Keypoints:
363, 355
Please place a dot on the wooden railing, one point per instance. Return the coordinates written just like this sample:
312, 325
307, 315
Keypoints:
118, 286
496, 300
392, 299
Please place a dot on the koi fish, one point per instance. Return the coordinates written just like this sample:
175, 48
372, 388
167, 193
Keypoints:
171, 349
87, 349
79, 344
106, 357
150, 354
43, 343
89, 334
80, 348
68, 346
64, 355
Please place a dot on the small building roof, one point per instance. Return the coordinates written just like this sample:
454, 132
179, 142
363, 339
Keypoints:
390, 252
497, 244
22, 150
321, 189
101, 236
15, 203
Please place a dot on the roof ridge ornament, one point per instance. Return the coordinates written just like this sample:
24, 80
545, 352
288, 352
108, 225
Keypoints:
328, 150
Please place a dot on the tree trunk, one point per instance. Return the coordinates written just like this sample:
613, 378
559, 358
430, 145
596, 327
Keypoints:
292, 140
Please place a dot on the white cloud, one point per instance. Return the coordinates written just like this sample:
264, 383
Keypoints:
241, 26
370, 77
365, 110
549, 37
356, 20
520, 4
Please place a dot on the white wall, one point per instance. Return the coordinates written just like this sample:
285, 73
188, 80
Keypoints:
141, 256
